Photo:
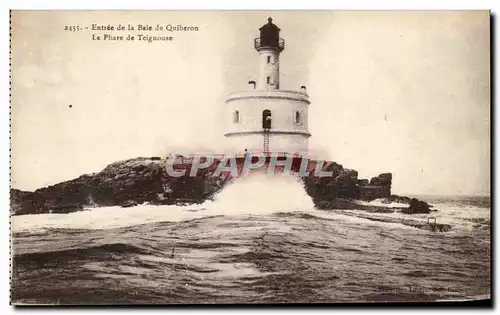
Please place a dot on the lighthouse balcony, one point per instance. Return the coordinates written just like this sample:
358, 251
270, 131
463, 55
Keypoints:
292, 95
303, 133
275, 44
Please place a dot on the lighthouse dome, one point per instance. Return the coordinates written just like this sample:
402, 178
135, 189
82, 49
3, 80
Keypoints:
270, 37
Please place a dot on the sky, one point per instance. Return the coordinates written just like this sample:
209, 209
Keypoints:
401, 92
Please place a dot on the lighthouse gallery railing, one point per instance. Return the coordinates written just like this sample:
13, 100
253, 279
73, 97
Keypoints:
280, 44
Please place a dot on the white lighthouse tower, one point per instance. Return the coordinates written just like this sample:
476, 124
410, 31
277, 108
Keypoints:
266, 118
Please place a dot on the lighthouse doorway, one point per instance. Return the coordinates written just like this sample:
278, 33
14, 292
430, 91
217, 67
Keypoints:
266, 119
266, 125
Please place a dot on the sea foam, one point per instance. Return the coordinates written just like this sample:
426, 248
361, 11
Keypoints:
257, 194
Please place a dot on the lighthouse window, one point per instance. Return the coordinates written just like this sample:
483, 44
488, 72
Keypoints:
236, 117
297, 117
268, 80
268, 59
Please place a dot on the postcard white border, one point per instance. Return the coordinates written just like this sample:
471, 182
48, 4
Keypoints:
193, 5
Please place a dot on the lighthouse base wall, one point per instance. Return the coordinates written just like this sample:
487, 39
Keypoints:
278, 142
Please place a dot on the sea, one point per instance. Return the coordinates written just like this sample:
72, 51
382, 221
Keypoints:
259, 241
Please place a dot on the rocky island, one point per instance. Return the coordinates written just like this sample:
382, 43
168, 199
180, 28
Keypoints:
144, 179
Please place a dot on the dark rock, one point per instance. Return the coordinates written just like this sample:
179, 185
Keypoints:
379, 187
324, 190
399, 199
417, 206
337, 203
123, 183
25, 202
363, 182
384, 179
129, 203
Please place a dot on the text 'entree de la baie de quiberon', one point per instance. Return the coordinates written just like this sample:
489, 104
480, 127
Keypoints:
146, 27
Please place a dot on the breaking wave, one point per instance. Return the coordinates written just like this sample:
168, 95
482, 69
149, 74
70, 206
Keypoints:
262, 194
257, 194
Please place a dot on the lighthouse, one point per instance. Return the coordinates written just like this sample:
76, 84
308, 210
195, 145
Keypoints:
266, 118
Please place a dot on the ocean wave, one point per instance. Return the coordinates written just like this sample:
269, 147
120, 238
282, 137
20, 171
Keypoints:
381, 202
297, 214
274, 194
103, 218
87, 253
